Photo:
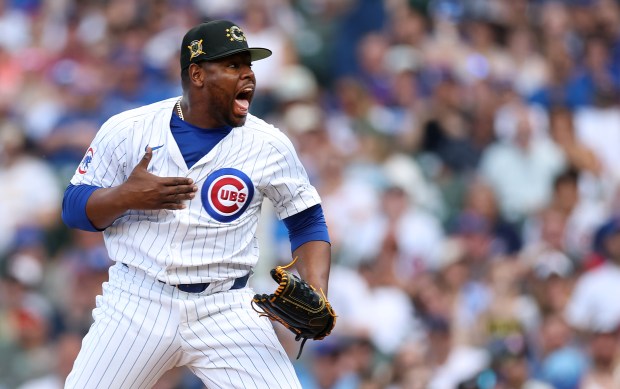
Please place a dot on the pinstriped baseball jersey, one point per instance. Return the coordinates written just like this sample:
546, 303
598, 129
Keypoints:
213, 239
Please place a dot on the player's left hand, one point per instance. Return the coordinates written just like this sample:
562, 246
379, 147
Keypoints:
298, 306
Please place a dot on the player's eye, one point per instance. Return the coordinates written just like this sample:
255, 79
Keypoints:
237, 65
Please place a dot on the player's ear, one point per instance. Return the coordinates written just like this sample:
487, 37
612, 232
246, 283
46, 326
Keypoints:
196, 74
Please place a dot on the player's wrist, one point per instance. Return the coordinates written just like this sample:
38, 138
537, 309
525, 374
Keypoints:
123, 198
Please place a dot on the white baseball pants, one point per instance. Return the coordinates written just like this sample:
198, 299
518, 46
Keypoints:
142, 328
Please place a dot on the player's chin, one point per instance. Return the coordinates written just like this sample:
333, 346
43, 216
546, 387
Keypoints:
238, 120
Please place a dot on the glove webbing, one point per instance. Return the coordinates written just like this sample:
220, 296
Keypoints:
281, 321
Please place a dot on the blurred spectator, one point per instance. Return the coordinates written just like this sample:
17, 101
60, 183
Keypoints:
528, 65
451, 364
74, 279
410, 369
603, 352
346, 286
71, 135
546, 254
478, 241
550, 281
509, 311
350, 205
415, 233
484, 57
580, 216
356, 19
388, 316
28, 257
598, 128
66, 348
560, 89
598, 78
127, 88
446, 130
461, 296
513, 114
14, 27
258, 23
328, 367
23, 204
25, 348
374, 74
11, 77
361, 360
305, 125
532, 161
560, 361
593, 306
480, 201
510, 362
562, 131
407, 173
371, 123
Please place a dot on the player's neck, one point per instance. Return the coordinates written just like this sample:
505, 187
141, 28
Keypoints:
198, 114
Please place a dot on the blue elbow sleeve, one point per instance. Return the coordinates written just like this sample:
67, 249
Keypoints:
307, 226
74, 207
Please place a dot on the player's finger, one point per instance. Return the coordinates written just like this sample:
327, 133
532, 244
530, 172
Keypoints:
172, 181
180, 197
144, 162
179, 189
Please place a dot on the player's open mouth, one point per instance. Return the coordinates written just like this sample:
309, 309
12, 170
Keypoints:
242, 101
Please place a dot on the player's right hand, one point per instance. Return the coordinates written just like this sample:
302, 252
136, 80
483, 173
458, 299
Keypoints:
144, 190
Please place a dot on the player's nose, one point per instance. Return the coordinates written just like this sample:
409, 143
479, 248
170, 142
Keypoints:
247, 72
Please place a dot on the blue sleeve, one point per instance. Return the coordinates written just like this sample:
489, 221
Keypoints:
74, 207
306, 226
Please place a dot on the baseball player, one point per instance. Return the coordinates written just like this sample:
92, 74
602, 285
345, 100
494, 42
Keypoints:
176, 187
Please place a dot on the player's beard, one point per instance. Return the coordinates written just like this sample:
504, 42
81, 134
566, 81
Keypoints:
223, 107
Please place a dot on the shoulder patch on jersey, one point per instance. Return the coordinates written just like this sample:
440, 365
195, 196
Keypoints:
226, 194
86, 161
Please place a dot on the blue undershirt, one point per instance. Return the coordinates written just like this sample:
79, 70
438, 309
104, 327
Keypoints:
74, 206
306, 226
194, 143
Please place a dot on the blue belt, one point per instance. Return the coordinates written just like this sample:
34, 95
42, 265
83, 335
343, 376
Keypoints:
199, 288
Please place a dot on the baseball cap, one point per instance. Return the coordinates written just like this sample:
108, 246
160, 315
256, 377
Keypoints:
552, 263
216, 39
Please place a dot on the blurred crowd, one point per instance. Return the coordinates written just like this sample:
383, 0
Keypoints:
467, 153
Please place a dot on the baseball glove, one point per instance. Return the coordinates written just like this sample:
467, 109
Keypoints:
298, 306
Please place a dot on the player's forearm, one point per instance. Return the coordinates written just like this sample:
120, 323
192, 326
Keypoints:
314, 262
105, 205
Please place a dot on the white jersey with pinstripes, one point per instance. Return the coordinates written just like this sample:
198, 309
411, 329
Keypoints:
214, 238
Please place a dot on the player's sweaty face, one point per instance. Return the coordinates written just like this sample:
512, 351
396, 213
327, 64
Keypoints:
229, 88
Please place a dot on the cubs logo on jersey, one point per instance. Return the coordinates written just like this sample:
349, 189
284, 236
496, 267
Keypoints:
226, 194
86, 161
